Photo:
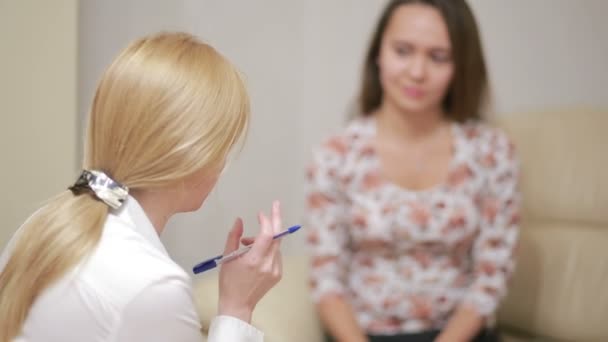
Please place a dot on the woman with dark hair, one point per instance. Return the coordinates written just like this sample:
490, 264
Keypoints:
413, 209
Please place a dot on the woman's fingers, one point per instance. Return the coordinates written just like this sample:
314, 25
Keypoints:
277, 226
276, 217
263, 242
246, 280
246, 241
278, 265
232, 242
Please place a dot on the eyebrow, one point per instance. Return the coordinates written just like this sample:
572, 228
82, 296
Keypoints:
406, 42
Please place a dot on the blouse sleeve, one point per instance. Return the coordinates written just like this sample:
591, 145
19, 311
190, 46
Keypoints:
328, 237
494, 248
227, 328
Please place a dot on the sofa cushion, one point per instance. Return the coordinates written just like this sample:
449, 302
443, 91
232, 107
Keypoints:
564, 157
559, 289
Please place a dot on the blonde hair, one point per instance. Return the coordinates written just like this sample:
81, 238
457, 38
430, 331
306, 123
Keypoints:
167, 107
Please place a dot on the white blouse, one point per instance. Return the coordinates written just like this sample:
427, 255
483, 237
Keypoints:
129, 289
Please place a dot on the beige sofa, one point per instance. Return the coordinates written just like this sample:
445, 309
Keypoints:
560, 289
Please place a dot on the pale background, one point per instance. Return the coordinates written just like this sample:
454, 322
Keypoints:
302, 61
38, 97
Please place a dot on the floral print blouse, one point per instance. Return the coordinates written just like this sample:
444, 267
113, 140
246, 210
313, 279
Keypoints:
406, 260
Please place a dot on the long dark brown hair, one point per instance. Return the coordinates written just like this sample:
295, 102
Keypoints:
468, 89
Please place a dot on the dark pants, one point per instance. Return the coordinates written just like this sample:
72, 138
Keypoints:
427, 336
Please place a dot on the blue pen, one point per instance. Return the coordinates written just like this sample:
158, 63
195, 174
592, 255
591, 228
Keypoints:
220, 259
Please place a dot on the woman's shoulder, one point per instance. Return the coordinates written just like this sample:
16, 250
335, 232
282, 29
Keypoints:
344, 140
486, 136
124, 260
490, 146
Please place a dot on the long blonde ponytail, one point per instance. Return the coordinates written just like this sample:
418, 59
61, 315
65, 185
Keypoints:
167, 107
49, 244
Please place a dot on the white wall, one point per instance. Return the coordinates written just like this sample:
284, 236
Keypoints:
37, 105
302, 61
545, 52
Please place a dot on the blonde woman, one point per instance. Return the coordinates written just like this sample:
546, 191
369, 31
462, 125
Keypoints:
89, 265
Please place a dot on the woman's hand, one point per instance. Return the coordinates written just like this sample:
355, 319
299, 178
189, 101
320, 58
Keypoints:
244, 281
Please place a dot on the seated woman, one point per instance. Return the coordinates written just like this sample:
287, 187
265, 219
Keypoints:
413, 208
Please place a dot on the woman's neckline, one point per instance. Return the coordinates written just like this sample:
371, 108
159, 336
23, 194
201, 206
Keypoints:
440, 185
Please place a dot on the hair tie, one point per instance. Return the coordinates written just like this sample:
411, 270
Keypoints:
102, 187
